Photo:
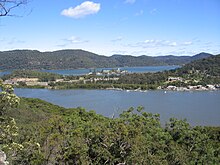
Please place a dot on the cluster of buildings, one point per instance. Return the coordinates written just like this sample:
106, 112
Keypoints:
187, 88
112, 72
36, 82
191, 88
101, 76
26, 81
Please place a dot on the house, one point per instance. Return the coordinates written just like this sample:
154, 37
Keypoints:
170, 87
173, 79
10, 82
211, 87
37, 83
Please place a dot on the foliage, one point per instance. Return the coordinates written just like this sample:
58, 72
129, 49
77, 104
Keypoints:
204, 71
74, 136
7, 98
74, 59
17, 153
208, 66
144, 78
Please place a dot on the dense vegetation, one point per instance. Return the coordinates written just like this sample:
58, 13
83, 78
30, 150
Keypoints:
202, 71
209, 66
55, 135
42, 76
72, 59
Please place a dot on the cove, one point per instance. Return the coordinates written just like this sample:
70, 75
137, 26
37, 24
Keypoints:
198, 107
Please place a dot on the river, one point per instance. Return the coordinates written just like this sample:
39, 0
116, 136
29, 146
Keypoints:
198, 107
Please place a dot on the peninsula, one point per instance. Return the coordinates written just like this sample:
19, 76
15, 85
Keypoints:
201, 74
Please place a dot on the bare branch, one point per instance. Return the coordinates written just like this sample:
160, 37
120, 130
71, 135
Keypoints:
6, 6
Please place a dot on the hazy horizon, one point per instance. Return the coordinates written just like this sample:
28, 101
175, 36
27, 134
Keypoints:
107, 55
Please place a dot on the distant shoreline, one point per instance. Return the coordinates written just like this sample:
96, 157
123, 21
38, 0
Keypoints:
179, 89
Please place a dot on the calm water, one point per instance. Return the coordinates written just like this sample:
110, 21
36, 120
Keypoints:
4, 73
199, 108
86, 71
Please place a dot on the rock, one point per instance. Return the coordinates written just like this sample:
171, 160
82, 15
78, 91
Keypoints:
3, 158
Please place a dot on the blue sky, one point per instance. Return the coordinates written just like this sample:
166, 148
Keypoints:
107, 27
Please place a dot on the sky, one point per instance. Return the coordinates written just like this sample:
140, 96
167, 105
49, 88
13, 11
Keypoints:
107, 27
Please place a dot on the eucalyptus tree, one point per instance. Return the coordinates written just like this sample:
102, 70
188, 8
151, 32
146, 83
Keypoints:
17, 152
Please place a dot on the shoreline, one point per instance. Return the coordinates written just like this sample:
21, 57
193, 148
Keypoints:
177, 89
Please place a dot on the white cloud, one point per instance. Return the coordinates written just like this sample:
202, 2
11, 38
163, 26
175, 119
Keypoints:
76, 40
130, 1
187, 43
156, 43
71, 41
159, 43
82, 10
172, 44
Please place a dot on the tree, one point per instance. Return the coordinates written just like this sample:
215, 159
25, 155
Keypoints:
18, 153
7, 98
6, 6
8, 128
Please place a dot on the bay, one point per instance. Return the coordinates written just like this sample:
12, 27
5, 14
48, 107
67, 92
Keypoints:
76, 72
199, 108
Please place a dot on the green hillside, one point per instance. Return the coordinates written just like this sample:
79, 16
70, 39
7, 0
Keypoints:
65, 59
209, 66
73, 59
199, 72
51, 134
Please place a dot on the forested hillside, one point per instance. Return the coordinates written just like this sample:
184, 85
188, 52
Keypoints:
209, 66
51, 134
201, 71
73, 59
42, 76
65, 59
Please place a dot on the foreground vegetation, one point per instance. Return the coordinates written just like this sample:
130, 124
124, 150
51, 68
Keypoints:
37, 132
74, 136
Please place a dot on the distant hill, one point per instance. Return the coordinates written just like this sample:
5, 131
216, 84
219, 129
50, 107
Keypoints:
198, 72
180, 60
208, 66
128, 60
201, 56
63, 59
73, 59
